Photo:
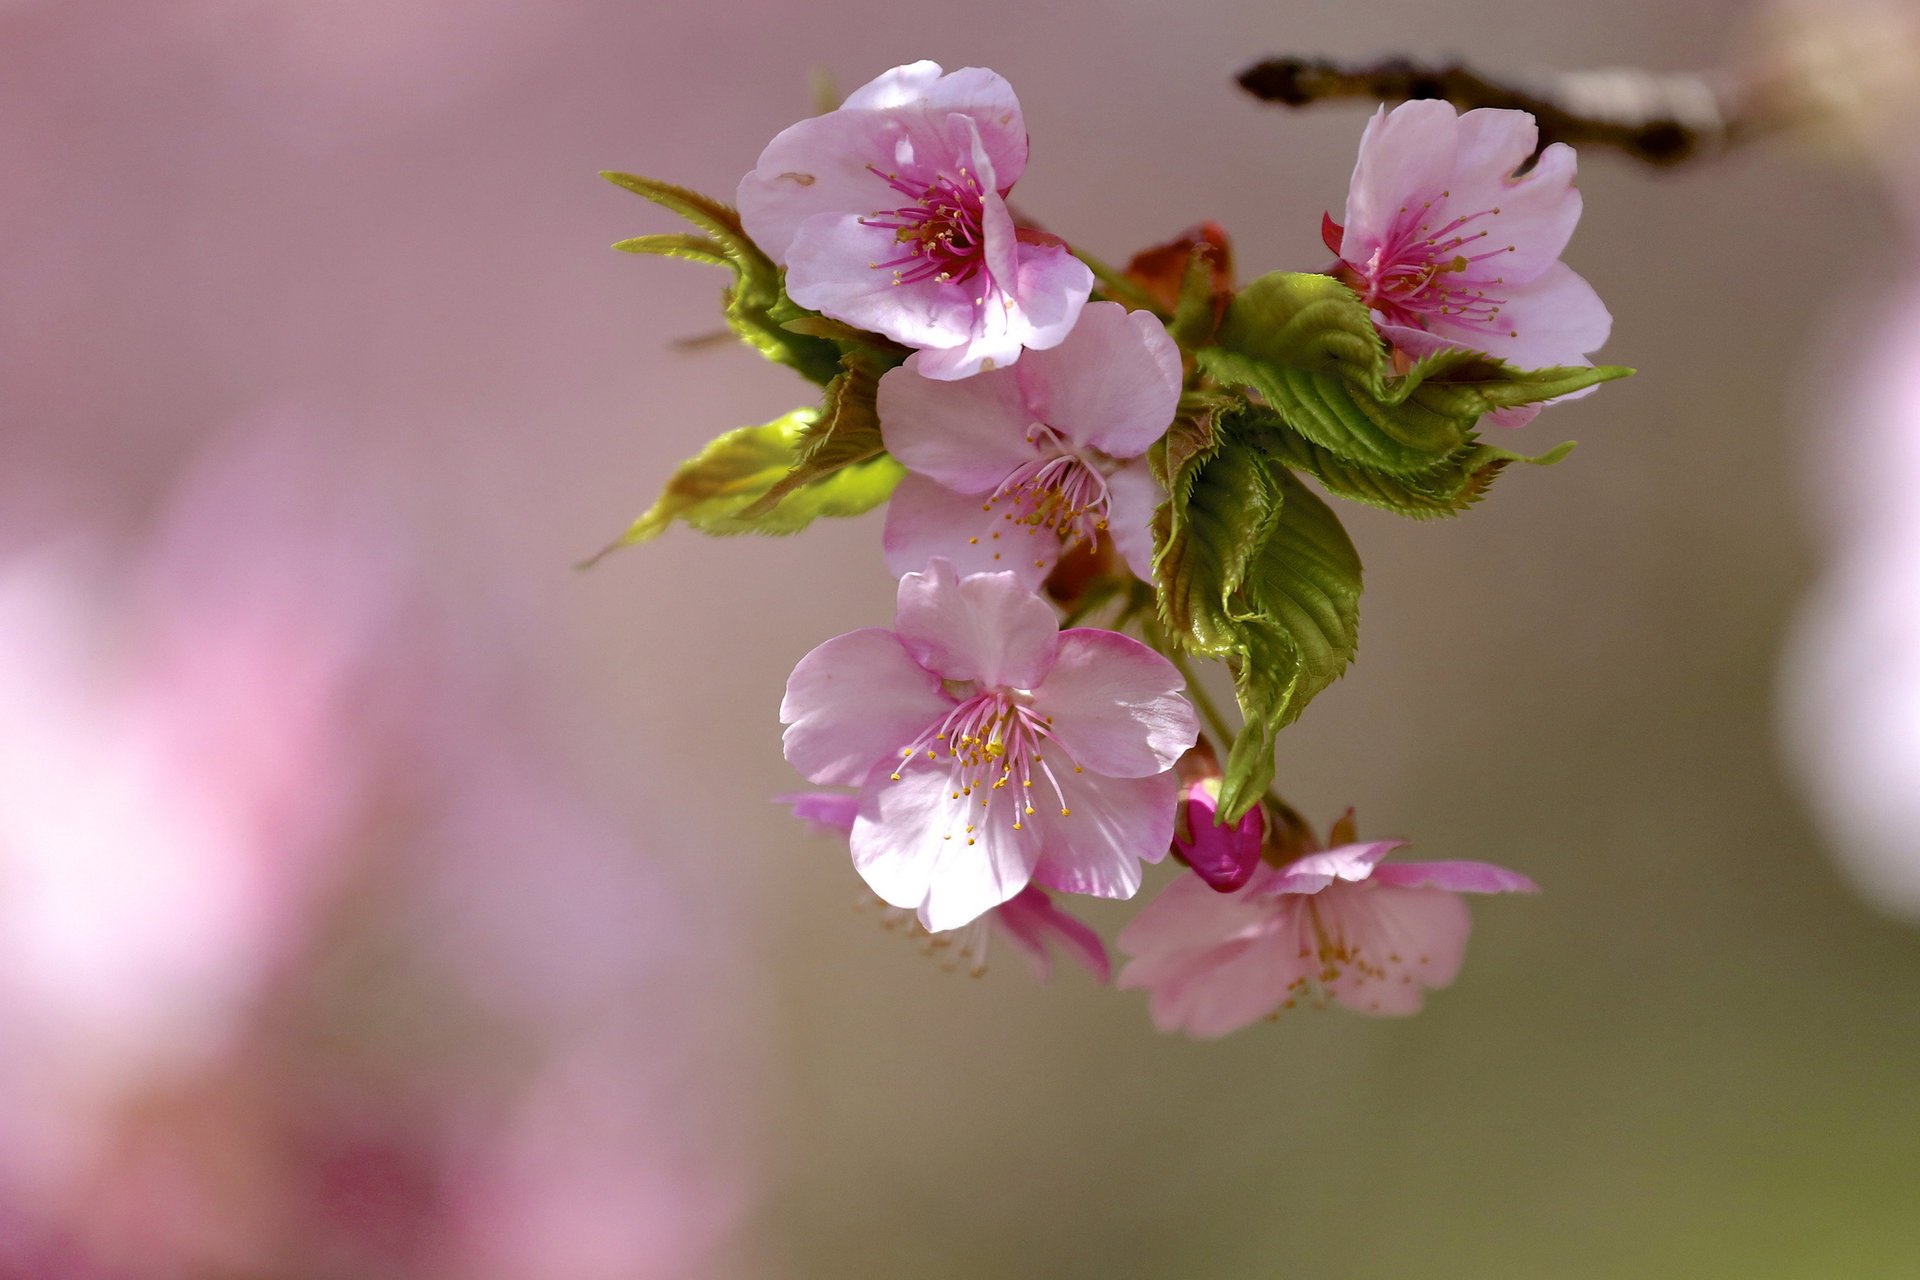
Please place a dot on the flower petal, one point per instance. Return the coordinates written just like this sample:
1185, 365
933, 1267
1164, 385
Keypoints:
1228, 988
1111, 827
853, 702
1555, 319
1455, 877
1115, 705
1051, 290
830, 268
1133, 496
968, 434
821, 166
827, 812
1406, 155
983, 95
1188, 916
1316, 871
1112, 384
1537, 212
987, 627
926, 521
1409, 940
1033, 920
920, 846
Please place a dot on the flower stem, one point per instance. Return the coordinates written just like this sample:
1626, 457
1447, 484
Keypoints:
1209, 710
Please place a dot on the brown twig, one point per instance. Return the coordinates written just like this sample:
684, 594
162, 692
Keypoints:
1659, 119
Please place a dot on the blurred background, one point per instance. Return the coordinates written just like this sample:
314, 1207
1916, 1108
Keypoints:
379, 897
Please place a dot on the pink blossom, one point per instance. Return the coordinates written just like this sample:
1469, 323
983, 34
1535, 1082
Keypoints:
1224, 857
890, 214
1012, 467
990, 747
1029, 919
1449, 248
1333, 925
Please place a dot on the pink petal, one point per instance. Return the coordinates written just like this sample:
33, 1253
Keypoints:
1228, 988
1410, 939
817, 167
1112, 826
986, 627
1134, 495
926, 521
969, 435
1538, 212
1032, 920
1555, 319
856, 700
1455, 877
1113, 383
1518, 416
912, 845
1188, 916
827, 812
1115, 705
1316, 871
1051, 288
1406, 156
830, 269
976, 92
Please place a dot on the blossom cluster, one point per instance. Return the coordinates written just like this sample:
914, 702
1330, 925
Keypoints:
1058, 442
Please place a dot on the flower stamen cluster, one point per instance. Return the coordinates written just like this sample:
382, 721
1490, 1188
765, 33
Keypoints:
941, 229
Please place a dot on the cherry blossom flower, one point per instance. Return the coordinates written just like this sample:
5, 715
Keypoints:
1450, 249
890, 214
1029, 919
1012, 467
1334, 925
990, 747
1222, 856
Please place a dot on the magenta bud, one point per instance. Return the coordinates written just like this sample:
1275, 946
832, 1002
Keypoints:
1222, 856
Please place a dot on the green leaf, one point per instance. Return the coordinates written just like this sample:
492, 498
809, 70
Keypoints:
757, 306
1253, 568
1445, 490
715, 490
845, 434
1307, 346
692, 248
1299, 607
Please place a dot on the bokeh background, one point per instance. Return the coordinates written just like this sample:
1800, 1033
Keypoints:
381, 897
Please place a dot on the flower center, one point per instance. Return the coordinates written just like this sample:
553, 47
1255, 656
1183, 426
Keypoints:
1058, 490
940, 230
1332, 934
1423, 272
994, 746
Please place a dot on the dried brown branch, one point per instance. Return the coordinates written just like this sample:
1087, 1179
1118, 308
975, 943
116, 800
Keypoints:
1660, 119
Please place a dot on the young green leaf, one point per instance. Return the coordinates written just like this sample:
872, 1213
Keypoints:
715, 490
1307, 346
757, 307
1445, 490
845, 434
1253, 568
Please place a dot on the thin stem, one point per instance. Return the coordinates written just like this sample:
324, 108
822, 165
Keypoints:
1209, 710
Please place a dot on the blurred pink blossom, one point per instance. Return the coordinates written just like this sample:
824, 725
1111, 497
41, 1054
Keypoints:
1337, 924
312, 959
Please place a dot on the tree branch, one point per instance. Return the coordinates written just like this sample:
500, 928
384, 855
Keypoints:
1659, 119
